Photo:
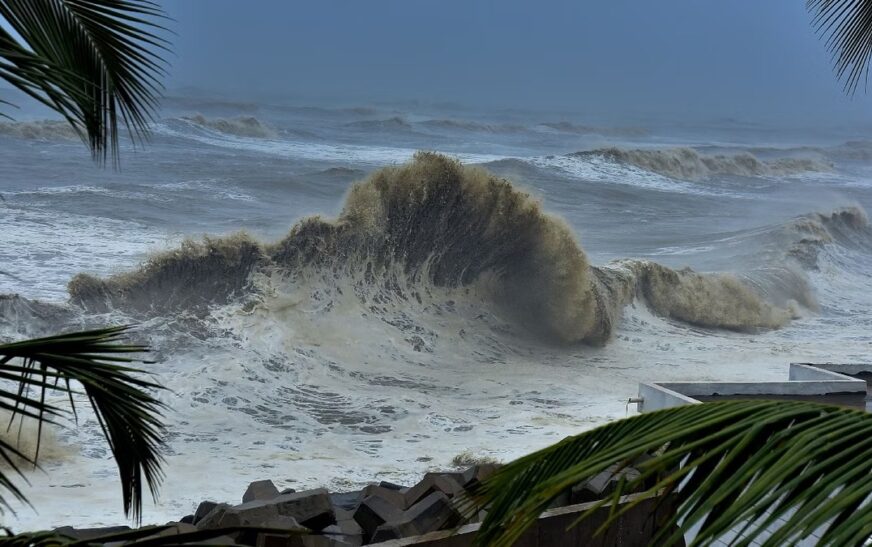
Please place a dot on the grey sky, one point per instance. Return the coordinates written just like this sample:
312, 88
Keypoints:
752, 59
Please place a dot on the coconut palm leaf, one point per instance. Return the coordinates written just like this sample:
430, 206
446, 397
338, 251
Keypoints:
96, 62
123, 402
773, 471
846, 26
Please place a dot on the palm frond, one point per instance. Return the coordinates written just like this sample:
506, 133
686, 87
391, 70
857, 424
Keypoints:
846, 26
129, 415
776, 471
96, 62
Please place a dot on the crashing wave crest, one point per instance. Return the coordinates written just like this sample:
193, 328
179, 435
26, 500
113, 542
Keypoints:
434, 221
706, 300
688, 164
810, 233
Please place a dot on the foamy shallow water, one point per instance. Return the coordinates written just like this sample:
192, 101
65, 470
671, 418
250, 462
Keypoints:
439, 410
312, 388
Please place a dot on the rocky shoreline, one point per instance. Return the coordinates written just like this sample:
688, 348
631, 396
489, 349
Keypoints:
380, 512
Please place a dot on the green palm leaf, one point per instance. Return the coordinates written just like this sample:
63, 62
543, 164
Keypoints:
129, 415
776, 471
846, 25
96, 62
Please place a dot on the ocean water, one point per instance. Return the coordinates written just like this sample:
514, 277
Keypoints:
495, 297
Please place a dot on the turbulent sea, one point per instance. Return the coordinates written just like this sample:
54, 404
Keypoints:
330, 307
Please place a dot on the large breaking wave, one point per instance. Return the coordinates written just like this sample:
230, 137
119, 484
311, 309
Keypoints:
688, 164
436, 223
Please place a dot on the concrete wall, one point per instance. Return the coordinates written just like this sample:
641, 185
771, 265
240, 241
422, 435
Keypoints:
803, 379
808, 372
656, 396
843, 368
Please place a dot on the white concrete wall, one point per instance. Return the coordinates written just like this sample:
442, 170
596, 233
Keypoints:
844, 368
804, 379
655, 397
804, 371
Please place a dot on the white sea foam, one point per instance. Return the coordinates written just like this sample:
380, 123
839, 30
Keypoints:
599, 169
39, 248
353, 154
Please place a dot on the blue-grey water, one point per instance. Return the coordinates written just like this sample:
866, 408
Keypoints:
305, 382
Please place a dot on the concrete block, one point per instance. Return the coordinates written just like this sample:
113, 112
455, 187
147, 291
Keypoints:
218, 540
203, 509
311, 509
174, 530
395, 497
345, 533
479, 473
374, 511
212, 518
447, 483
318, 541
294, 530
285, 523
562, 500
347, 525
601, 485
253, 513
346, 500
278, 540
391, 486
90, 533
260, 490
386, 532
430, 514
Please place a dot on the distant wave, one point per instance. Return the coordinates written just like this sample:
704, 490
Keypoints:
360, 110
852, 150
242, 126
858, 150
340, 173
434, 222
465, 125
395, 123
43, 130
513, 168
791, 151
688, 164
568, 127
196, 103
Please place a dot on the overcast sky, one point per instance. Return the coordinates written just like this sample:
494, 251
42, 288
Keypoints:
751, 59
